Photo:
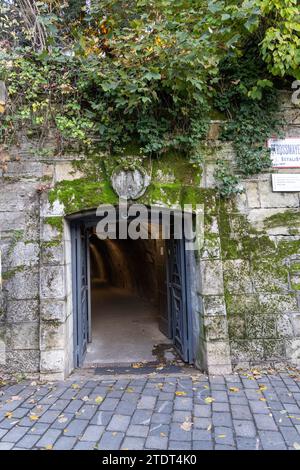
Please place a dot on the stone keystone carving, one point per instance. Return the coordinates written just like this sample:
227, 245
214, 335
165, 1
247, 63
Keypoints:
130, 184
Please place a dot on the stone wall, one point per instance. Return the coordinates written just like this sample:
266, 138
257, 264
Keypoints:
246, 285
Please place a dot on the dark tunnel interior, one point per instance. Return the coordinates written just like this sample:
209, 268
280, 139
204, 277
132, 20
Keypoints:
128, 300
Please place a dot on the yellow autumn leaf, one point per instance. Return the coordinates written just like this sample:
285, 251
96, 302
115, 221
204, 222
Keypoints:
209, 399
222, 436
262, 399
129, 390
8, 414
262, 388
137, 365
33, 417
180, 394
75, 386
234, 389
186, 425
49, 447
99, 400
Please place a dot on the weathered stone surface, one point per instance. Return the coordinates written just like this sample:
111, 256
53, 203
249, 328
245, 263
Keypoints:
52, 361
53, 310
52, 335
252, 193
237, 276
52, 282
270, 199
52, 253
22, 285
23, 254
22, 310
23, 361
211, 282
22, 336
214, 305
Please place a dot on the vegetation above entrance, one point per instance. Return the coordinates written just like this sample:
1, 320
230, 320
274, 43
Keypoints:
150, 72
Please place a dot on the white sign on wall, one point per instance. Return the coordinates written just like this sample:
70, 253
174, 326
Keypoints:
286, 182
285, 153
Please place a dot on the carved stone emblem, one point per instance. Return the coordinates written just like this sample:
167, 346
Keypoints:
130, 184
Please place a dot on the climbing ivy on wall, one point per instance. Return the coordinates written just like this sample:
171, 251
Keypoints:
148, 72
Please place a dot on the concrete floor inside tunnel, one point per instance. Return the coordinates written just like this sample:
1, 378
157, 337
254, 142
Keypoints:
128, 302
124, 328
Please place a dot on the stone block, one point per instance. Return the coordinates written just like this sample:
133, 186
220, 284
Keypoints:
214, 305
211, 282
66, 171
218, 357
237, 276
252, 194
261, 326
292, 347
22, 336
52, 282
52, 361
270, 199
22, 311
53, 310
215, 328
52, 335
295, 320
22, 285
247, 350
284, 326
23, 254
52, 253
27, 361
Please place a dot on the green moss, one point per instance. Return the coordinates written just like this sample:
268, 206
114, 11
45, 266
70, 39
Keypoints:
288, 218
55, 222
11, 273
82, 194
295, 286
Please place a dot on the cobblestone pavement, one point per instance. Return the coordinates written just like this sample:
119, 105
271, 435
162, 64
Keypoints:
156, 411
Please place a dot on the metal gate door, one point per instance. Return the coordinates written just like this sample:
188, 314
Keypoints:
80, 290
178, 298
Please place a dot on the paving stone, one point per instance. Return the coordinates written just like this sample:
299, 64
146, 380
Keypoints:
259, 407
15, 434
202, 445
76, 427
272, 440
111, 441
49, 416
159, 430
220, 407
220, 396
65, 443
244, 428
133, 443
164, 418
125, 408
28, 441
265, 422
202, 435
92, 433
164, 406
146, 403
179, 434
180, 416
102, 418
2, 432
222, 419
48, 438
202, 411
176, 445
202, 423
241, 412
109, 404
141, 417
86, 412
224, 436
39, 428
156, 442
290, 435
246, 443
119, 423
6, 445
137, 430
183, 404
84, 445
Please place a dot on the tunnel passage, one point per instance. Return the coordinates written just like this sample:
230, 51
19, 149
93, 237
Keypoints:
128, 300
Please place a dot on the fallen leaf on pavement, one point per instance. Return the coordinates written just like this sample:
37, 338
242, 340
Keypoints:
209, 399
180, 394
99, 400
186, 425
234, 389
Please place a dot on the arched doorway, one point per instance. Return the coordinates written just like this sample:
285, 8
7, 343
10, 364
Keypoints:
131, 297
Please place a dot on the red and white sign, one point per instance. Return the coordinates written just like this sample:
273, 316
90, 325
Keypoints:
285, 153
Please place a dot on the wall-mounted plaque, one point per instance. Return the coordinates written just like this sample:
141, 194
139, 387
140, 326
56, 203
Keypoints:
282, 182
285, 153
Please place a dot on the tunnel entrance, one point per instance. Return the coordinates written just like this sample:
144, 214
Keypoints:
130, 299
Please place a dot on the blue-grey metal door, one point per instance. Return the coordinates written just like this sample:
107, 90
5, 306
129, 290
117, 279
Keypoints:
178, 299
80, 290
